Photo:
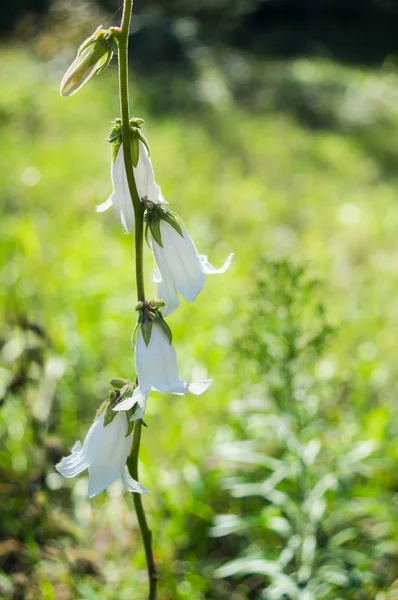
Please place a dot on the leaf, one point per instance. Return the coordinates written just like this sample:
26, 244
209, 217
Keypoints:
227, 524
248, 566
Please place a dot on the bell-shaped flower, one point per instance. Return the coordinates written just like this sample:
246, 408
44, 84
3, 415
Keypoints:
156, 366
104, 453
93, 56
181, 268
145, 183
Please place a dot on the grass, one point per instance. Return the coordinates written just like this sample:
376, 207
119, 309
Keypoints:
259, 183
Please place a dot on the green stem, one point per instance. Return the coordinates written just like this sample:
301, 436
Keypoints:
132, 462
125, 114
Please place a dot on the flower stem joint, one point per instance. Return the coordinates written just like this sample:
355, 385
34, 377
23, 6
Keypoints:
149, 314
93, 56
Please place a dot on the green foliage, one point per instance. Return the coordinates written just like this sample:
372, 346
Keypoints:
256, 182
300, 475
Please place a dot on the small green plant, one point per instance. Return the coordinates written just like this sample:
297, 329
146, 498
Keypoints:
296, 471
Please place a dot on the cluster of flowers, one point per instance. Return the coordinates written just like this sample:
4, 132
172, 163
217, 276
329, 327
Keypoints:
181, 270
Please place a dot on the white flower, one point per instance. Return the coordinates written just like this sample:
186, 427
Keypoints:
104, 454
181, 268
145, 182
156, 367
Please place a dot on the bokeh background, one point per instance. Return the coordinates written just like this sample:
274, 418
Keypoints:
273, 131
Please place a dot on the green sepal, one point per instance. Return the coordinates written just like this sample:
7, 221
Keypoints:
112, 395
102, 407
147, 234
115, 149
90, 40
144, 141
118, 382
146, 330
164, 327
154, 226
136, 122
109, 415
128, 389
155, 303
130, 424
107, 59
134, 150
116, 131
173, 220
129, 414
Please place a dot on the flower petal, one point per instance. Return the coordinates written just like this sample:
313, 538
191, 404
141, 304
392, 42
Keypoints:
131, 484
145, 178
210, 270
104, 206
156, 364
199, 387
166, 292
74, 464
121, 198
131, 401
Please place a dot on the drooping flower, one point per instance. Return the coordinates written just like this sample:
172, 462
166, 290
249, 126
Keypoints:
93, 56
182, 269
156, 366
145, 183
104, 454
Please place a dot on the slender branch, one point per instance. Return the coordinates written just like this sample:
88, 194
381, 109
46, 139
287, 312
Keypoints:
132, 462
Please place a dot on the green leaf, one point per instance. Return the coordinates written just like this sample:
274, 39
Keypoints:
146, 330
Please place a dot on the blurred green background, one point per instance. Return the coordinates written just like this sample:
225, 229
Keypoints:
273, 132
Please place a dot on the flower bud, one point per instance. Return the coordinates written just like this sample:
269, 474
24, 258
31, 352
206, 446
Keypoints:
93, 56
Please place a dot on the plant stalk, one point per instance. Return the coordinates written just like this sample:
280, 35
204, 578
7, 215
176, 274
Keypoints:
125, 115
132, 462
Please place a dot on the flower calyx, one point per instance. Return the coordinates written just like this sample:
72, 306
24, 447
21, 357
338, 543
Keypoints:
153, 214
149, 315
122, 389
136, 135
93, 57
